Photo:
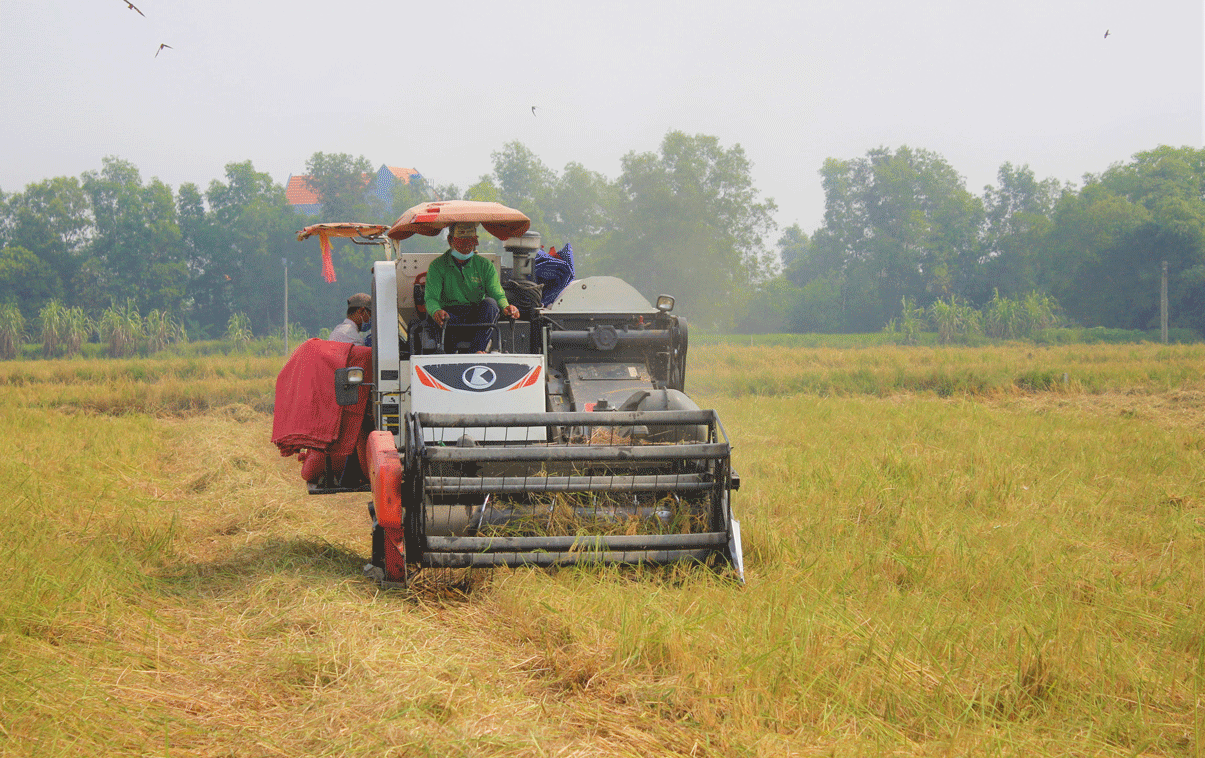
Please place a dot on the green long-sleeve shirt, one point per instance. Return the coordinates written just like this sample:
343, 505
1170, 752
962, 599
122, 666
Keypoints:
450, 284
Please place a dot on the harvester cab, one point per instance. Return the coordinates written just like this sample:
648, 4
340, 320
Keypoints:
571, 441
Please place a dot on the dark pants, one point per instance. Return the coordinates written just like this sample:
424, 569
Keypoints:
485, 312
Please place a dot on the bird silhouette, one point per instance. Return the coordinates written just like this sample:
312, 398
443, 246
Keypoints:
1106, 33
161, 46
533, 110
133, 7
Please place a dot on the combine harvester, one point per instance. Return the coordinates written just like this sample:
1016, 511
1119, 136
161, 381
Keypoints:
570, 442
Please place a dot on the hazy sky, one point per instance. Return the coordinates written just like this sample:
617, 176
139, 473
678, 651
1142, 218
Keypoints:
439, 86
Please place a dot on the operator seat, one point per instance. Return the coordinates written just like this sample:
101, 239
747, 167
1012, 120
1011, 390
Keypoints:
425, 333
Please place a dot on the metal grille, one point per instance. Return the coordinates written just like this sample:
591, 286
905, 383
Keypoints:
613, 487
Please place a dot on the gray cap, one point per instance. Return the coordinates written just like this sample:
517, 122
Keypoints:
360, 300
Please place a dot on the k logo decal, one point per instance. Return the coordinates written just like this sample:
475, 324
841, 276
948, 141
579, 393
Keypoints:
479, 377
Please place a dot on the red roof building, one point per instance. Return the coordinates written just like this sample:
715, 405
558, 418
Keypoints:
303, 199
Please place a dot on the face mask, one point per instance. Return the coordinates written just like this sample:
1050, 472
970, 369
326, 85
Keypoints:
462, 256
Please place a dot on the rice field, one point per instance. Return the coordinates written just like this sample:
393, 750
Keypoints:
949, 551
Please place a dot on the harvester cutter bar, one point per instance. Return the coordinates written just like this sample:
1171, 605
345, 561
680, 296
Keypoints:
577, 544
704, 451
630, 557
510, 485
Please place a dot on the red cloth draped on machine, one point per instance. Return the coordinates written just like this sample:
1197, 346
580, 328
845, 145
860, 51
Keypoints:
307, 421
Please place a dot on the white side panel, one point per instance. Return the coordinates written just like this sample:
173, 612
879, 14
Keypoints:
480, 383
390, 377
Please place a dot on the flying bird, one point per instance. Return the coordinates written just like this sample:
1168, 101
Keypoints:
133, 7
163, 45
533, 110
1106, 33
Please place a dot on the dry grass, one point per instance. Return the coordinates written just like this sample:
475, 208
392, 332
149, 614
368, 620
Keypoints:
884, 371
1013, 573
599, 514
172, 386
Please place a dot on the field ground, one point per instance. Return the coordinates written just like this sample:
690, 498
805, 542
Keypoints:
988, 551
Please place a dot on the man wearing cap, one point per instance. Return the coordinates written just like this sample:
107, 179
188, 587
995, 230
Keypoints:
463, 287
359, 316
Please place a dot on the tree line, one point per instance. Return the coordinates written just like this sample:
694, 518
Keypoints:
902, 234
109, 239
900, 226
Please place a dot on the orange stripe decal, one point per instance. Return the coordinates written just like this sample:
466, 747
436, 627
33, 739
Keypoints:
526, 381
429, 380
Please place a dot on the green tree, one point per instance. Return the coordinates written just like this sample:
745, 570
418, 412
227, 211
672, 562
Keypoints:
340, 181
805, 297
770, 309
1095, 257
820, 306
26, 280
897, 224
1103, 263
693, 224
256, 229
579, 206
135, 251
418, 190
524, 182
583, 211
1170, 184
484, 191
52, 220
1019, 216
204, 247
792, 246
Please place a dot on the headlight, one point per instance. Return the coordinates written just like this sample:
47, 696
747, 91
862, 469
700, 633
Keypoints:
665, 303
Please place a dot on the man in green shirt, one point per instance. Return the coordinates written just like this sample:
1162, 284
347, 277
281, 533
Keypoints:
463, 287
